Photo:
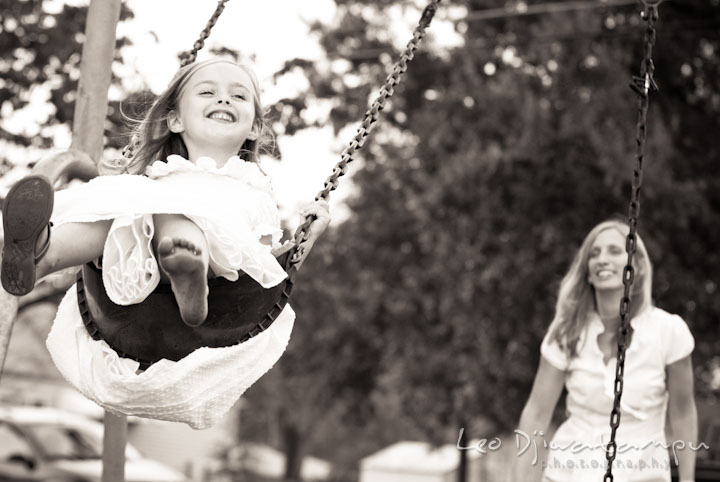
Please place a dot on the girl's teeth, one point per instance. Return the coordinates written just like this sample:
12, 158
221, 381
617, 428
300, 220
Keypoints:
221, 116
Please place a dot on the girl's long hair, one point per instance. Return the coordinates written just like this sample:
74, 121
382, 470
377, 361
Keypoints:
576, 298
152, 139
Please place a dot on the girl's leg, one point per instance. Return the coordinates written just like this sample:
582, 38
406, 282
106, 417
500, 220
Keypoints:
182, 252
72, 244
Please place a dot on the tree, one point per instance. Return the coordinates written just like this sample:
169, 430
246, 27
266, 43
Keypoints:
40, 50
493, 160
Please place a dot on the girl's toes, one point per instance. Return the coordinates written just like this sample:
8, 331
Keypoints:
166, 246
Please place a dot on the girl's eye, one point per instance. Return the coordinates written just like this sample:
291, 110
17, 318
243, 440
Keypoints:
206, 92
239, 96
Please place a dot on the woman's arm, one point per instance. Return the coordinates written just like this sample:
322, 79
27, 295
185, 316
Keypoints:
537, 414
683, 416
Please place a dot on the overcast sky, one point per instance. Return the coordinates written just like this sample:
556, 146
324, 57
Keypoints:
271, 32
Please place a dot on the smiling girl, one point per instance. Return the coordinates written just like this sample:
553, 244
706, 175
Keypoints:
191, 204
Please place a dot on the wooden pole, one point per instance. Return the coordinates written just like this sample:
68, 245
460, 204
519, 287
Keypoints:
462, 472
114, 442
95, 74
88, 128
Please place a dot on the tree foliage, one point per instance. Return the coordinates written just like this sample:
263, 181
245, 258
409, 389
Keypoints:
494, 158
40, 53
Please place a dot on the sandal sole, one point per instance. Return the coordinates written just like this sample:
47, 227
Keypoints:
26, 213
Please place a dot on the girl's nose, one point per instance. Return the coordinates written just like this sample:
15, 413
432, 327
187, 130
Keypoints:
223, 101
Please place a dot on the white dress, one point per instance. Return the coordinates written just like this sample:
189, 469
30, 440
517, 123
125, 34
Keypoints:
577, 450
234, 207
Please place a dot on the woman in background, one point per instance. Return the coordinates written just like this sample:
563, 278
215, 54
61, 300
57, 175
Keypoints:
579, 352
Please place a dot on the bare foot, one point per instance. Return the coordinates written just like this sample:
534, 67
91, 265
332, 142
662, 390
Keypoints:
182, 262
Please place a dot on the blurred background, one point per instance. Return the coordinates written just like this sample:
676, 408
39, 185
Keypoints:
421, 310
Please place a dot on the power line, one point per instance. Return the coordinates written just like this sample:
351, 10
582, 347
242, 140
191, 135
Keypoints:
669, 30
522, 9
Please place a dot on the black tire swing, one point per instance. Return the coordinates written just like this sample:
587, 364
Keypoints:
239, 310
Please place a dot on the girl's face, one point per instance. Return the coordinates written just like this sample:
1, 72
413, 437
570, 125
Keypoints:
216, 108
607, 260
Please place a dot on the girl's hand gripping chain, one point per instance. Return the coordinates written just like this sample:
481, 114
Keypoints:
321, 210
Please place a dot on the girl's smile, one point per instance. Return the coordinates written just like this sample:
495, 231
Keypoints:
222, 116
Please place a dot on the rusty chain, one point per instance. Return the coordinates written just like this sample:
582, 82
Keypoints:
641, 85
189, 57
371, 116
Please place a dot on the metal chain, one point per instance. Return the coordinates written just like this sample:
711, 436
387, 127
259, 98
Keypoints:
129, 150
641, 85
189, 57
371, 116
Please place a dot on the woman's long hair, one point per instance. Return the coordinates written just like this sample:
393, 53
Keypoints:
153, 140
576, 298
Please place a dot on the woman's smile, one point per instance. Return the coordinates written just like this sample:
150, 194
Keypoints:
607, 260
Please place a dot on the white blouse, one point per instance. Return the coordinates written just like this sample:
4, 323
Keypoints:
577, 451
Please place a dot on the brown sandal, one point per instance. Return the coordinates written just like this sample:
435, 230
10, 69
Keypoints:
26, 214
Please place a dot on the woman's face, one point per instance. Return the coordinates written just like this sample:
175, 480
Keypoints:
606, 261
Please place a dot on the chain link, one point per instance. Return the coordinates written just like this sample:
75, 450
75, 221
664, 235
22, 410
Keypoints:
129, 150
641, 86
189, 57
371, 116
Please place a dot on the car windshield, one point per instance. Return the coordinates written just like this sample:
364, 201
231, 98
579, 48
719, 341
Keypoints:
58, 442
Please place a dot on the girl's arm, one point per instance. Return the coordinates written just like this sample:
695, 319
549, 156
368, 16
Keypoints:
683, 416
536, 416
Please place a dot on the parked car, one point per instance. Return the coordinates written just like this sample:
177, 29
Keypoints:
50, 445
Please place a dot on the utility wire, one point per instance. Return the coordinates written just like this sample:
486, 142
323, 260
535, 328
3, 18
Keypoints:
523, 9
670, 30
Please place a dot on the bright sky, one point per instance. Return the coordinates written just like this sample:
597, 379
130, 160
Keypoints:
269, 31
256, 30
